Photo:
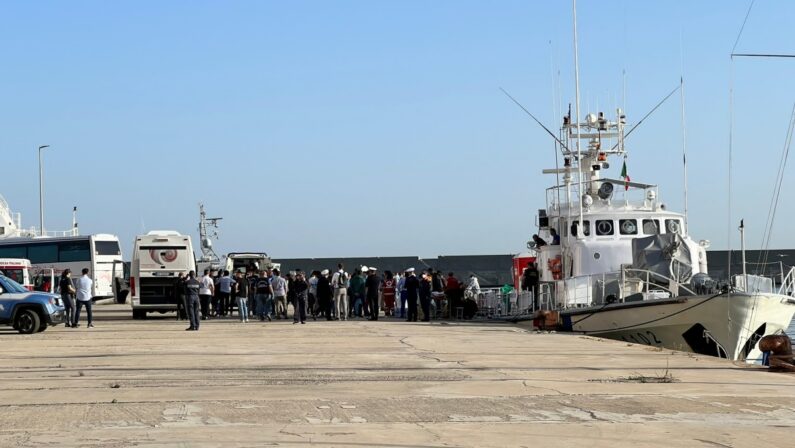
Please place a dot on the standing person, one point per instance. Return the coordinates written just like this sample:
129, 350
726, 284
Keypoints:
180, 293
388, 288
324, 294
426, 287
84, 284
241, 288
312, 295
251, 279
216, 294
67, 295
339, 281
473, 286
412, 286
403, 295
206, 292
290, 277
300, 290
530, 282
437, 290
225, 284
452, 290
264, 296
280, 288
372, 287
193, 301
357, 293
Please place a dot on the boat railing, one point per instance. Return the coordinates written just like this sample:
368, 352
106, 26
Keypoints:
37, 233
557, 196
788, 283
647, 280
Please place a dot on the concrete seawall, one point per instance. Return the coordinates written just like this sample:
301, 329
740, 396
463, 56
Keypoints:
376, 384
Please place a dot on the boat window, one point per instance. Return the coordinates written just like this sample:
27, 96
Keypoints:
604, 227
673, 226
43, 253
651, 227
74, 251
628, 227
586, 228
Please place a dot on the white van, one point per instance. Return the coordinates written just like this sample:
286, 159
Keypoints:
158, 258
17, 269
248, 260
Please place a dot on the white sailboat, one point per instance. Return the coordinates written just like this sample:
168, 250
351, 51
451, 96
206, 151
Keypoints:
625, 267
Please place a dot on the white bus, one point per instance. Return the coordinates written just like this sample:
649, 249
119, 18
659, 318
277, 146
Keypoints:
247, 260
157, 260
49, 257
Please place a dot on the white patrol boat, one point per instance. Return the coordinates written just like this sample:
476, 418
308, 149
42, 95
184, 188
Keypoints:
625, 268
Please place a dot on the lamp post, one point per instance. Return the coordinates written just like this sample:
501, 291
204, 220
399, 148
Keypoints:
41, 192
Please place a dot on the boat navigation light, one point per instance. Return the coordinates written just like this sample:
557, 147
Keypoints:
651, 195
590, 119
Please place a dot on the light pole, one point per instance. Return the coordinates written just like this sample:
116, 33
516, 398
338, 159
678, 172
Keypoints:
41, 192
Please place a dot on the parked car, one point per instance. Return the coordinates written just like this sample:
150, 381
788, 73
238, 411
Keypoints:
28, 312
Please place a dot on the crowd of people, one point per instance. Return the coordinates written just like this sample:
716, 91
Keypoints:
364, 294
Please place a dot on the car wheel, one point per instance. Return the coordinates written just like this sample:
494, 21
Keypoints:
27, 321
137, 314
42, 327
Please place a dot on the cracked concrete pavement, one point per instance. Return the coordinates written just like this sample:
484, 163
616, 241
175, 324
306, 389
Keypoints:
375, 384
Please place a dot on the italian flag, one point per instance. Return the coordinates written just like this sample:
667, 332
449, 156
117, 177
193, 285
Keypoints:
625, 176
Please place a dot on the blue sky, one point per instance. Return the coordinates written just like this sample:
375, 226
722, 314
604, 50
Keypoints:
320, 128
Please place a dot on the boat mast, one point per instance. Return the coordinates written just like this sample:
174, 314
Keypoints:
580, 233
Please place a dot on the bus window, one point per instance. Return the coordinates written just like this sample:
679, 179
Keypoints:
74, 251
43, 253
107, 247
13, 252
651, 227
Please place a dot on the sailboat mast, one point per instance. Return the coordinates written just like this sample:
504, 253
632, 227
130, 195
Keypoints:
581, 232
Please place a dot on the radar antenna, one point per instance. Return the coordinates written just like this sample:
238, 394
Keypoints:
205, 223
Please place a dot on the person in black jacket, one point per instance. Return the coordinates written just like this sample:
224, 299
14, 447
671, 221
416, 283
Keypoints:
324, 294
425, 297
300, 290
412, 292
180, 293
372, 286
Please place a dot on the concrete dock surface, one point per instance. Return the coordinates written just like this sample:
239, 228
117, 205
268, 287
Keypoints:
373, 384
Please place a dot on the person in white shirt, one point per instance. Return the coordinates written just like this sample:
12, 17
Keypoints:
473, 287
280, 288
339, 281
84, 284
206, 292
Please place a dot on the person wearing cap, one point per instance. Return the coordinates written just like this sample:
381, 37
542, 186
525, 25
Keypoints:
324, 294
192, 292
372, 287
412, 286
339, 281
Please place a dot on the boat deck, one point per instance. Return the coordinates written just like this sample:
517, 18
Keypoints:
374, 384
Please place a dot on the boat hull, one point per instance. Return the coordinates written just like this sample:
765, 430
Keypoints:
725, 325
